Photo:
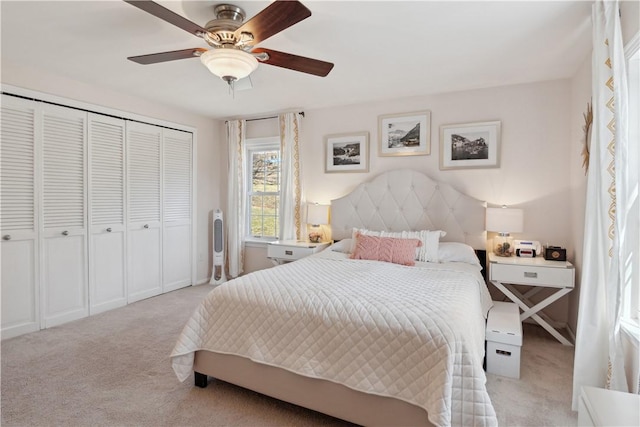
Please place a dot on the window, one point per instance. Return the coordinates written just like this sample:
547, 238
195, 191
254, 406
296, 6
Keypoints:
263, 195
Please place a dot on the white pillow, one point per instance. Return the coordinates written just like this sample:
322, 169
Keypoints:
343, 246
428, 252
457, 252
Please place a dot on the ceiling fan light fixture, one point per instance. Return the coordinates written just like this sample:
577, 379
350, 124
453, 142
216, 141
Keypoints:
229, 64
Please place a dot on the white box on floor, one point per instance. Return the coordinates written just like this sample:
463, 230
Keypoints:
504, 339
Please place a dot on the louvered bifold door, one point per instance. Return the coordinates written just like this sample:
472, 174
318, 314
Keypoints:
144, 195
64, 213
107, 237
18, 220
177, 209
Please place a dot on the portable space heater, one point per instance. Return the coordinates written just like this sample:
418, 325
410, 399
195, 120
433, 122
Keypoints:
217, 275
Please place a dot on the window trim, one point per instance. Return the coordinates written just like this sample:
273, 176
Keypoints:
251, 145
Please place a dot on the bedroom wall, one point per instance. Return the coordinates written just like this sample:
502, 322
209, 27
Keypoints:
209, 174
536, 155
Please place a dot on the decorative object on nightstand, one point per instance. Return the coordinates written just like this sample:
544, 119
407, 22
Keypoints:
317, 215
283, 251
537, 273
504, 221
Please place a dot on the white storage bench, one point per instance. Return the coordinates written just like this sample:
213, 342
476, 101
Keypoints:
504, 339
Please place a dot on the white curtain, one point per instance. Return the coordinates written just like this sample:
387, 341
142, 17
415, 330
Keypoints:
599, 360
291, 177
235, 198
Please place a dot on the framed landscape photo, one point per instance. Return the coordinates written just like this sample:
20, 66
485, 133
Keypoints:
406, 134
470, 145
348, 152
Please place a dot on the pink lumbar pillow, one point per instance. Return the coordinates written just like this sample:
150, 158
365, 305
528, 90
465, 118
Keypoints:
388, 249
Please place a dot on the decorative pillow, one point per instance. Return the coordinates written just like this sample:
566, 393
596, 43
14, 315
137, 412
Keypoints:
428, 252
457, 252
343, 246
388, 249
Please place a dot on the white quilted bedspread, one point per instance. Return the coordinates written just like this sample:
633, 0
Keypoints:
414, 333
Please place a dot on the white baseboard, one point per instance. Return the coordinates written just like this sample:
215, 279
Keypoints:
572, 334
555, 323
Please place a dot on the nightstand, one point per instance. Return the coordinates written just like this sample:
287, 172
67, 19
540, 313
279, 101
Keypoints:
538, 273
283, 251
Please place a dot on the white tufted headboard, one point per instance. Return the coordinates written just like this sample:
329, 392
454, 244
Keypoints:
409, 200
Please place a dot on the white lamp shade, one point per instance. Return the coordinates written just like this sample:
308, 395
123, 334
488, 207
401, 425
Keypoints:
317, 214
233, 63
505, 220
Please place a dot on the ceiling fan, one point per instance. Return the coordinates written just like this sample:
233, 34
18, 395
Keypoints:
234, 55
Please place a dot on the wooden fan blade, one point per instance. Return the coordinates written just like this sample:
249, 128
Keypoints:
295, 62
167, 15
276, 17
154, 58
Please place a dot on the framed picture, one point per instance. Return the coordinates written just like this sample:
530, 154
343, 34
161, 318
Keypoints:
471, 145
348, 152
405, 134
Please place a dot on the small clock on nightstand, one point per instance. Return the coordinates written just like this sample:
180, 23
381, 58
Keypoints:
283, 251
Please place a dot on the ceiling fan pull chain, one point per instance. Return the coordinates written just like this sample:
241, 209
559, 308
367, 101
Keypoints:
232, 88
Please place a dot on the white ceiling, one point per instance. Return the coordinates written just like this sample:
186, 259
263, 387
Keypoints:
381, 50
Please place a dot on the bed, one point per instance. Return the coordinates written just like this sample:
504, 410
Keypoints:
371, 342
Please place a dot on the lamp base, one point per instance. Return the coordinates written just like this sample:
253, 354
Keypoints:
316, 235
503, 245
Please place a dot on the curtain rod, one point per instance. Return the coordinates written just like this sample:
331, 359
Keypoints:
265, 118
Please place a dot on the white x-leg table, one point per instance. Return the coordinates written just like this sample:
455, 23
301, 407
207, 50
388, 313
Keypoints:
539, 274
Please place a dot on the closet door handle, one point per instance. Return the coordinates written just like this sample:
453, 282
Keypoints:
146, 226
65, 233
109, 230
7, 237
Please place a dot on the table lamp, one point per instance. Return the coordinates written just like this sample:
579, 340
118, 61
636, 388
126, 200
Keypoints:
504, 221
317, 215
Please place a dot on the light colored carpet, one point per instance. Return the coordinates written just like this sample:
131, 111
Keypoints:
114, 369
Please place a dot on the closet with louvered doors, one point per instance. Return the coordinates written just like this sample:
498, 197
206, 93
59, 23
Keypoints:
144, 206
63, 233
95, 212
19, 199
177, 209
107, 237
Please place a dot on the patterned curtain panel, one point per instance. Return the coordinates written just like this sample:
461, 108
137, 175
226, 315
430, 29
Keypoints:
599, 359
235, 198
291, 177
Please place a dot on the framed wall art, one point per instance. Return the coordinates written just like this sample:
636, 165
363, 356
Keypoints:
406, 134
348, 152
470, 145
